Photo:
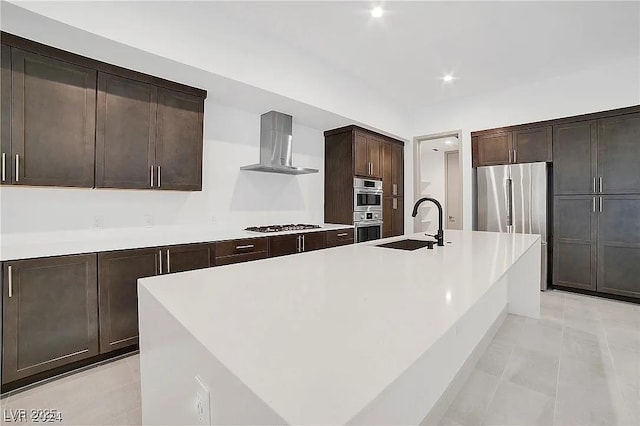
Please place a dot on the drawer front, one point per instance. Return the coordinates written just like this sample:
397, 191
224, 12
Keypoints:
340, 235
338, 243
243, 246
239, 258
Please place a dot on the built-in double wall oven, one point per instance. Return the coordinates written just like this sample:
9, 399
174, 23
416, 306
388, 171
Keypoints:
367, 206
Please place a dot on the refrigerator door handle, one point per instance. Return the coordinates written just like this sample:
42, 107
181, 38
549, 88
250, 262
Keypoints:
509, 203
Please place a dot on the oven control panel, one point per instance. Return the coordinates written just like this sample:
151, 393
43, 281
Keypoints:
363, 216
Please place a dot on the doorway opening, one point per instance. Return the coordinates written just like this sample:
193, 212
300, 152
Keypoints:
438, 174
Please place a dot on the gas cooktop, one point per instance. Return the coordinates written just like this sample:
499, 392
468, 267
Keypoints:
280, 228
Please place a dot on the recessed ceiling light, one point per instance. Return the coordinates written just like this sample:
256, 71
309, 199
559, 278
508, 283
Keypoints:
447, 78
377, 12
448, 142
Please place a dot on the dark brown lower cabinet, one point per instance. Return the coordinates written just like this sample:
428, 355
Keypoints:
314, 241
574, 251
238, 251
618, 270
118, 294
340, 237
189, 257
50, 315
282, 245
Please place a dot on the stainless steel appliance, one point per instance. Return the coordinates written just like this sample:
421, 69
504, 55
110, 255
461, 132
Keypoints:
280, 228
276, 135
367, 195
513, 199
368, 225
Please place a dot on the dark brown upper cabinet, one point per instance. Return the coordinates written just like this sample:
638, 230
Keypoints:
392, 169
126, 132
368, 153
574, 161
50, 315
53, 111
618, 169
68, 120
526, 145
491, 149
532, 145
179, 141
6, 171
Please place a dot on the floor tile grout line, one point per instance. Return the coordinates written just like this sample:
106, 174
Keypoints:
493, 395
555, 401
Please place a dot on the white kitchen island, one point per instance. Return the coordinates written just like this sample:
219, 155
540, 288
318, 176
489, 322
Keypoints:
350, 335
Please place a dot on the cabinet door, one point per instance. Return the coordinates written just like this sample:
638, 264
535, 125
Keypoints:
189, 257
397, 223
361, 155
619, 245
314, 241
574, 251
387, 169
491, 149
374, 146
50, 315
5, 119
619, 154
179, 141
397, 188
387, 217
118, 274
532, 145
53, 121
574, 158
282, 245
126, 132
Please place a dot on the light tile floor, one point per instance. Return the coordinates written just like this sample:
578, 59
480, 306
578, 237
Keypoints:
578, 365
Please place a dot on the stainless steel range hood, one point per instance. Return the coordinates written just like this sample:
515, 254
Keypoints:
275, 146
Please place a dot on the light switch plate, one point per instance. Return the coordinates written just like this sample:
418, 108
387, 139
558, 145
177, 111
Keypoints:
148, 220
98, 222
203, 405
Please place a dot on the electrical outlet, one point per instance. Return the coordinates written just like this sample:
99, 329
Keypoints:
213, 220
148, 220
98, 222
203, 408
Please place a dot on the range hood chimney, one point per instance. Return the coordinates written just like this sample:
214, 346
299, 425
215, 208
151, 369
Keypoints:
275, 146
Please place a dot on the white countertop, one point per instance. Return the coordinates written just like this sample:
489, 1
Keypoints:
310, 334
43, 244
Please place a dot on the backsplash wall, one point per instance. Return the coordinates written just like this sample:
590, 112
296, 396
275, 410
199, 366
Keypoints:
230, 198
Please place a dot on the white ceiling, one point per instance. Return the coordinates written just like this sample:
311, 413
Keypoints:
394, 63
487, 45
450, 143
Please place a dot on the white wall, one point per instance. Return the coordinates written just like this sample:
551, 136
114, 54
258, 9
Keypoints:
232, 197
432, 170
607, 86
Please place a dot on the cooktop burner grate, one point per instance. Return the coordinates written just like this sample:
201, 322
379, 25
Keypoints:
280, 228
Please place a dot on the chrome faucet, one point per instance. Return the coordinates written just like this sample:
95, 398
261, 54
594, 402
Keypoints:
440, 235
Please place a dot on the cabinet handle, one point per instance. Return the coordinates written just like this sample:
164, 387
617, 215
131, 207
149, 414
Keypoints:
509, 156
600, 204
515, 153
4, 166
151, 176
17, 167
159, 184
168, 262
342, 234
600, 183
395, 189
395, 203
248, 246
160, 260
594, 204
594, 186
302, 242
298, 244
10, 281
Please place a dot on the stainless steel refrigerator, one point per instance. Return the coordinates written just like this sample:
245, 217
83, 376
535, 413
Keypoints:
513, 199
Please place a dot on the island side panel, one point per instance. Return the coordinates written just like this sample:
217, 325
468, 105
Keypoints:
524, 283
410, 398
170, 360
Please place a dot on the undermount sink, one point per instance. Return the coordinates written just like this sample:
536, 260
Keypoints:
407, 244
